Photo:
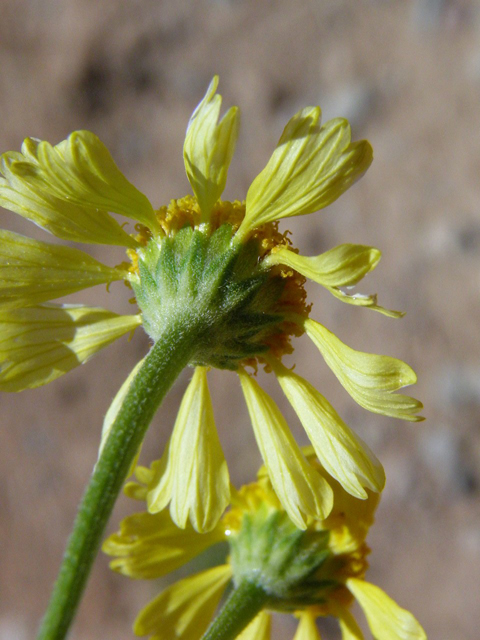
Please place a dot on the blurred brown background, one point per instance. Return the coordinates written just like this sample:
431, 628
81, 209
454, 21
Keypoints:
407, 75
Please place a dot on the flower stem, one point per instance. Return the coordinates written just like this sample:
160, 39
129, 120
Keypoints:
241, 607
170, 354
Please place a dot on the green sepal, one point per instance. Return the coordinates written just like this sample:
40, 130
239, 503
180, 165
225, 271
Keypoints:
210, 285
219, 243
270, 551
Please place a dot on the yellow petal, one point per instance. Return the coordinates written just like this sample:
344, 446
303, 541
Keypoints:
348, 625
151, 545
160, 487
112, 413
370, 379
134, 490
81, 170
342, 266
144, 474
27, 192
40, 343
300, 488
363, 300
32, 271
343, 454
184, 610
350, 520
307, 629
258, 629
137, 489
310, 168
195, 476
387, 621
209, 147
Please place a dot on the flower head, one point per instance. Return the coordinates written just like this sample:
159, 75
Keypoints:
220, 271
310, 573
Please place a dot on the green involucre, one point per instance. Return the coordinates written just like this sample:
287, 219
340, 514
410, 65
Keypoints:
213, 285
290, 564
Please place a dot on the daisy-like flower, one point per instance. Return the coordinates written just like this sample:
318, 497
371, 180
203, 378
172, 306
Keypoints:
309, 573
220, 281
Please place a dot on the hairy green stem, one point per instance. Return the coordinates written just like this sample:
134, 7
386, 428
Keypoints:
241, 607
170, 354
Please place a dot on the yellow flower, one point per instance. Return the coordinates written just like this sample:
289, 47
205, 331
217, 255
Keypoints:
313, 573
219, 270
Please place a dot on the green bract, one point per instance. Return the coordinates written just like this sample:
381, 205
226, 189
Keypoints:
270, 551
212, 286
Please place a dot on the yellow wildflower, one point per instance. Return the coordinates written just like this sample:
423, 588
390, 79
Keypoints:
312, 573
220, 271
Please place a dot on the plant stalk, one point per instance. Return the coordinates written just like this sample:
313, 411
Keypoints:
165, 361
241, 607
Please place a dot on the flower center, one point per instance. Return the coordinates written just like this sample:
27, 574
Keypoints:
201, 274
